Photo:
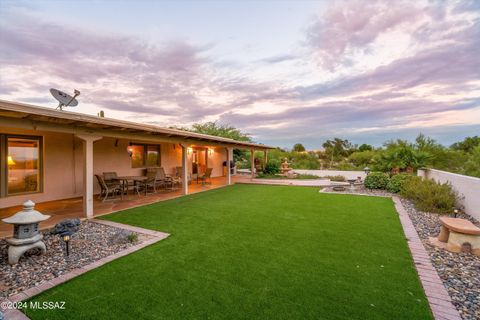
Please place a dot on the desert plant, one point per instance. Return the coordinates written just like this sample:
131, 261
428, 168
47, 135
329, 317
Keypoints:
395, 184
272, 167
376, 180
132, 237
429, 195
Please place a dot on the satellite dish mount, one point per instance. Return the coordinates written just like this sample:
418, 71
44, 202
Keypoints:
64, 99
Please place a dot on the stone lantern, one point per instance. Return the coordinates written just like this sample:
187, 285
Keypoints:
26, 233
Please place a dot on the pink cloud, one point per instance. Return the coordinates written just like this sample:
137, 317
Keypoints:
353, 25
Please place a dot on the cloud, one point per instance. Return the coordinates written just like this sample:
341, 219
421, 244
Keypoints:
352, 26
433, 83
279, 58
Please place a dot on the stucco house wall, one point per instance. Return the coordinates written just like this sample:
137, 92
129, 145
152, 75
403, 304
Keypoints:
63, 164
60, 178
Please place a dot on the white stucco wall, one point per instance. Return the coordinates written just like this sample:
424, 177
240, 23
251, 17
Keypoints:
467, 187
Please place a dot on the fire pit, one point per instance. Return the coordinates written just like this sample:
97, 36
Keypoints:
26, 235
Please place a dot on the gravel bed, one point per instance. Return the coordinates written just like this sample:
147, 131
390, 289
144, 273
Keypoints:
92, 242
460, 272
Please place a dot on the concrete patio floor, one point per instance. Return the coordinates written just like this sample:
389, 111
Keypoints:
73, 208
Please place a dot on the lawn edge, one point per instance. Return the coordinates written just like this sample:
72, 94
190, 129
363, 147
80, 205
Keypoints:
16, 314
438, 298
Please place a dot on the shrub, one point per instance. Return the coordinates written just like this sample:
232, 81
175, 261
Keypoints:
376, 180
272, 167
132, 237
397, 182
430, 196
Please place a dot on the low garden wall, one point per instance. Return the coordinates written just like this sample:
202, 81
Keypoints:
468, 188
323, 173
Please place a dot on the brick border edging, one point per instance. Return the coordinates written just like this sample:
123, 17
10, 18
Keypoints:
437, 296
14, 314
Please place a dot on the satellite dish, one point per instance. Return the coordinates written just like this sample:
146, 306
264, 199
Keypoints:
64, 99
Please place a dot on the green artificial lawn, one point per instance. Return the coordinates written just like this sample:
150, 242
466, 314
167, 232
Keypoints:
255, 252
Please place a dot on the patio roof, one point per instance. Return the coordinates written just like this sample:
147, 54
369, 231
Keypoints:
42, 118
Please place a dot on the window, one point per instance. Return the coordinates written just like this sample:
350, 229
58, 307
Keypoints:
138, 156
153, 155
22, 162
144, 155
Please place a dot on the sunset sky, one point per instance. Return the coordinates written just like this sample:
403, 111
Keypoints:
284, 71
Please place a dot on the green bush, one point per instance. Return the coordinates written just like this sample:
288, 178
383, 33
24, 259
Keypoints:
272, 167
396, 182
430, 196
376, 180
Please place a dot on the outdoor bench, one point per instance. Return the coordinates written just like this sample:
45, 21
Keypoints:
458, 232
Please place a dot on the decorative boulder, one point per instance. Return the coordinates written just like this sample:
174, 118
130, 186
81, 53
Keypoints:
67, 227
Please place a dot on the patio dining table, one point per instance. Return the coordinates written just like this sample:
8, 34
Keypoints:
135, 179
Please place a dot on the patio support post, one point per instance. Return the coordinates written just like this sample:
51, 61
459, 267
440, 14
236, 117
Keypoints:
229, 174
265, 159
252, 162
88, 173
184, 169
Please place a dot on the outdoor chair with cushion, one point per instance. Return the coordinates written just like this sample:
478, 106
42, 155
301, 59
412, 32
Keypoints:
206, 176
109, 189
163, 179
178, 175
110, 177
151, 181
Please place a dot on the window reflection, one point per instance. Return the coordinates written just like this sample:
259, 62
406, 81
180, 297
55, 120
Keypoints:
153, 155
23, 162
138, 156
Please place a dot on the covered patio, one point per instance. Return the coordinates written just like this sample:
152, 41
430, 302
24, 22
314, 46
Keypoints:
52, 157
73, 207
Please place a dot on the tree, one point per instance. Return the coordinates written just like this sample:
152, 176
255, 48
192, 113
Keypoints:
365, 147
467, 145
472, 166
298, 147
337, 148
402, 155
214, 128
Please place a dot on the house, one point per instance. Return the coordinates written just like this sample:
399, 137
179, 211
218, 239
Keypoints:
48, 154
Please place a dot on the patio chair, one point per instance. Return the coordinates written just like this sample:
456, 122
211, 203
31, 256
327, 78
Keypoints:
110, 177
178, 174
163, 179
108, 189
151, 181
207, 175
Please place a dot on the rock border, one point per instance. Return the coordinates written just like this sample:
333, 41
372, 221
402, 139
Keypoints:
437, 296
15, 314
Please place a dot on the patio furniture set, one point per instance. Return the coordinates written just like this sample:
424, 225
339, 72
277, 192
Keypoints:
112, 184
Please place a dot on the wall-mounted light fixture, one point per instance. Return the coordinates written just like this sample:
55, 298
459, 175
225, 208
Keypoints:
130, 150
189, 150
210, 151
10, 161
